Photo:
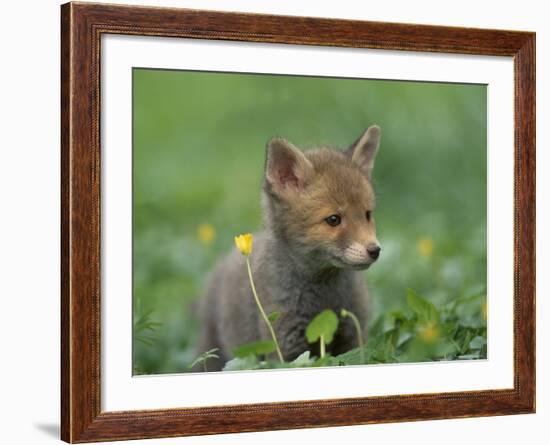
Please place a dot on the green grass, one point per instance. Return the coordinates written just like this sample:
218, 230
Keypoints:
199, 146
422, 332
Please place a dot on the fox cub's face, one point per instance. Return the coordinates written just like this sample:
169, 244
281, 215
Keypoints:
322, 201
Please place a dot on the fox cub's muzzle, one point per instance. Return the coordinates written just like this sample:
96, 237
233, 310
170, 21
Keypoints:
374, 251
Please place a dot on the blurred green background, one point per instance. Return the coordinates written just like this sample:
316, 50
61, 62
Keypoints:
198, 150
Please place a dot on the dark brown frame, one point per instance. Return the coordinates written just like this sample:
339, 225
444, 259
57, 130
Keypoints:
82, 25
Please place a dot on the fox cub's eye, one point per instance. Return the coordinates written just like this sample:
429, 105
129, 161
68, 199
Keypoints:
369, 215
333, 220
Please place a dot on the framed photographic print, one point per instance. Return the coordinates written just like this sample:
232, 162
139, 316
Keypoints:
274, 222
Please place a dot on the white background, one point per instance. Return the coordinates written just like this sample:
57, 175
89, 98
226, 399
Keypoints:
121, 392
29, 235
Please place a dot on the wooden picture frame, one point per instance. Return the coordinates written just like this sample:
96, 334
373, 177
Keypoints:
82, 25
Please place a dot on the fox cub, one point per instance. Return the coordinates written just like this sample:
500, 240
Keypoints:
319, 234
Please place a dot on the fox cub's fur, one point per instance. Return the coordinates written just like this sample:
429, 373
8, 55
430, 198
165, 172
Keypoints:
319, 234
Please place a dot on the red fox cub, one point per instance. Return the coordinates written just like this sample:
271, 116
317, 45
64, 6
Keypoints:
318, 212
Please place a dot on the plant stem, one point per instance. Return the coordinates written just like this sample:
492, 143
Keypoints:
264, 316
357, 325
322, 345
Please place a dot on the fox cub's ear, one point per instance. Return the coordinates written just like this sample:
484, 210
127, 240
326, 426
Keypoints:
363, 150
286, 167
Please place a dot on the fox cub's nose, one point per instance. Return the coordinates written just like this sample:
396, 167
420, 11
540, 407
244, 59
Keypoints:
374, 251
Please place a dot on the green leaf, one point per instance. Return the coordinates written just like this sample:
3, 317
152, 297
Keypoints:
424, 309
261, 347
211, 353
273, 317
144, 340
327, 360
403, 338
353, 356
324, 324
242, 364
144, 323
478, 342
302, 360
466, 343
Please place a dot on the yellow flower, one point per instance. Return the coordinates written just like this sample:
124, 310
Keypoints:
425, 246
206, 233
484, 310
429, 332
244, 243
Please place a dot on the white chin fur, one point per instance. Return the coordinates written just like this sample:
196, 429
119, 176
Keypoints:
356, 253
